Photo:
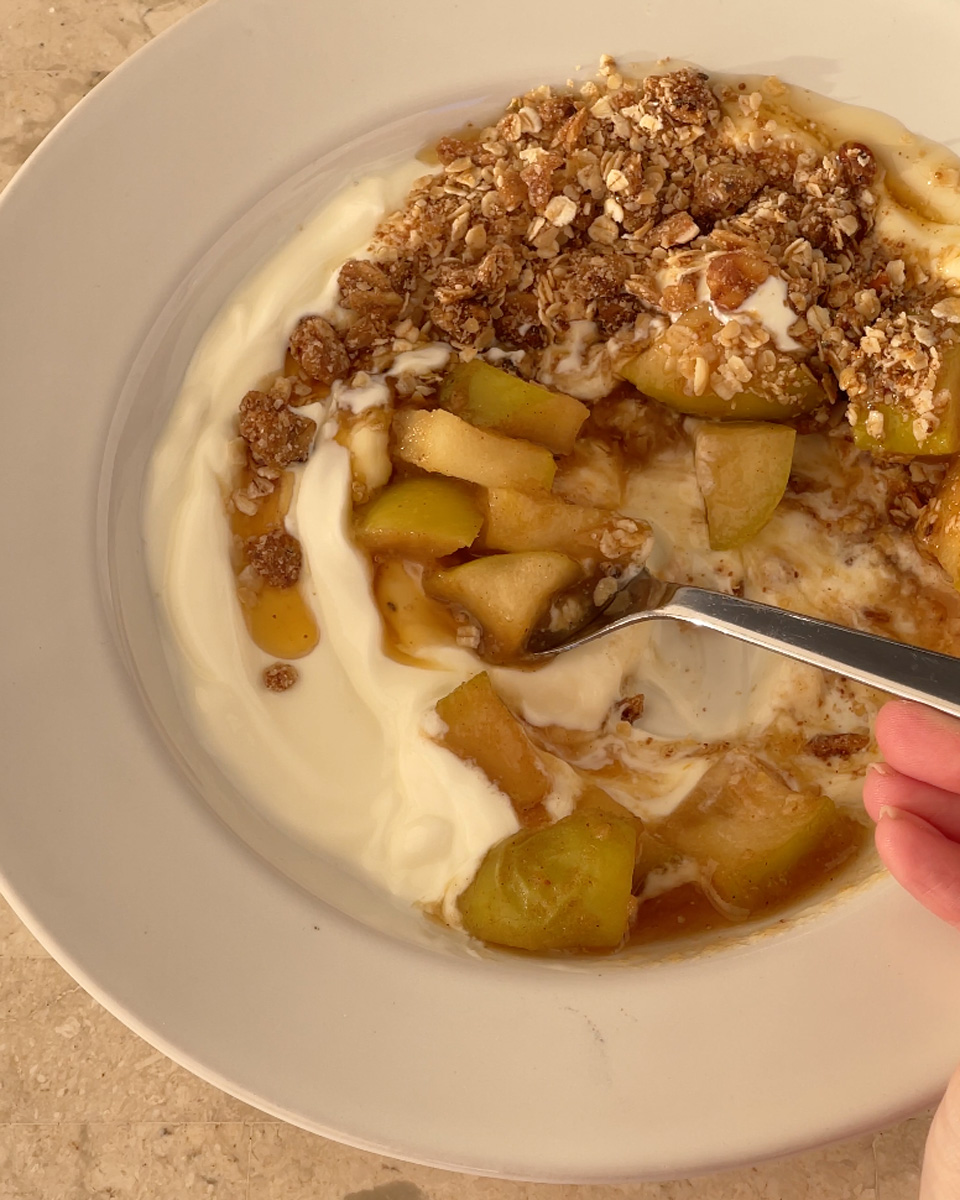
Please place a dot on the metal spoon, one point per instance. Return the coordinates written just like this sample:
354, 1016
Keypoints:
923, 675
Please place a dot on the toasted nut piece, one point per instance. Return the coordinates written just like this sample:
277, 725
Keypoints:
858, 164
733, 278
676, 230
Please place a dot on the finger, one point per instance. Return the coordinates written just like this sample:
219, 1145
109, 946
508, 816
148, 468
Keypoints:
923, 861
920, 742
941, 1161
886, 788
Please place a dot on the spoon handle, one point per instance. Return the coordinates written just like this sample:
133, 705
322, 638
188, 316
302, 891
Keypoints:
923, 675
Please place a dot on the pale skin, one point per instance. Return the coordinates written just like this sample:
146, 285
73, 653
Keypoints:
914, 796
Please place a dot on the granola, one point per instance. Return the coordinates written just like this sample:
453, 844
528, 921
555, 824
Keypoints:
280, 677
609, 206
276, 557
276, 437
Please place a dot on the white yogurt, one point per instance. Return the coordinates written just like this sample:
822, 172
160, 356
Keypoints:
767, 305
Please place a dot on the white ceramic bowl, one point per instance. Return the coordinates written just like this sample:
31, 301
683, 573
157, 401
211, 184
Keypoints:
269, 971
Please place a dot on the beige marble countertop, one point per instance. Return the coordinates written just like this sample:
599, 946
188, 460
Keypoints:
87, 1110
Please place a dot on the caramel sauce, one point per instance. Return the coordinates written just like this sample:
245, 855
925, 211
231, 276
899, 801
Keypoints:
686, 910
270, 514
279, 620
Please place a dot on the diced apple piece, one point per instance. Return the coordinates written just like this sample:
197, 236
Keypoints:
652, 853
527, 521
486, 396
481, 729
439, 442
897, 435
939, 531
743, 471
506, 593
413, 621
785, 392
563, 887
367, 438
426, 517
747, 829
596, 799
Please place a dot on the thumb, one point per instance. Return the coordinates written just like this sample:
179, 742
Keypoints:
941, 1162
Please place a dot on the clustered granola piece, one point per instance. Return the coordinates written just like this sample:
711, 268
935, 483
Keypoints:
279, 677
887, 348
276, 436
318, 349
837, 745
276, 557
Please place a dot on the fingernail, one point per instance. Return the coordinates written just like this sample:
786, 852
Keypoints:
887, 810
881, 768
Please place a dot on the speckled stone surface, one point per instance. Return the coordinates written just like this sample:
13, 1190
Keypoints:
90, 1112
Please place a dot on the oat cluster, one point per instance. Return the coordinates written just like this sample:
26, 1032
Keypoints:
280, 677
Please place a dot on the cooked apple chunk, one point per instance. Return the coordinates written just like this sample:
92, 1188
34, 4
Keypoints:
563, 887
785, 391
413, 621
426, 517
481, 729
506, 593
596, 799
742, 470
892, 430
367, 438
938, 531
897, 429
747, 828
526, 521
486, 396
439, 442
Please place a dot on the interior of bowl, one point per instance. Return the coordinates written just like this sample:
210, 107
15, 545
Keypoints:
136, 610
157, 907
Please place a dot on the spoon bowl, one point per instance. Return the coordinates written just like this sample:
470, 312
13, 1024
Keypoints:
905, 671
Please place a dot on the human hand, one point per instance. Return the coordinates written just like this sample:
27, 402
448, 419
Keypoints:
915, 799
914, 796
